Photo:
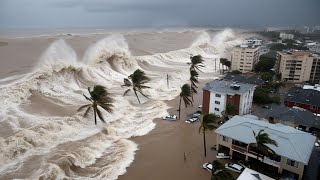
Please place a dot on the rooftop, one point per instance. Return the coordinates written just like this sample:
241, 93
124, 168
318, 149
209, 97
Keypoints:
295, 115
294, 52
249, 174
289, 139
305, 96
253, 79
228, 87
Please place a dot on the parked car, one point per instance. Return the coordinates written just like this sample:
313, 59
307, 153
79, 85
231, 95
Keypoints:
196, 114
170, 117
191, 120
235, 167
317, 143
200, 106
208, 166
222, 156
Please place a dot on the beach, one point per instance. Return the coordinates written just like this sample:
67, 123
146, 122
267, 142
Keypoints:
161, 152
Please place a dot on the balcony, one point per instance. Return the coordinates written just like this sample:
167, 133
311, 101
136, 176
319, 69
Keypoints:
271, 162
239, 149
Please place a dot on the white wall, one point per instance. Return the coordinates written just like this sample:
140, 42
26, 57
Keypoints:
213, 105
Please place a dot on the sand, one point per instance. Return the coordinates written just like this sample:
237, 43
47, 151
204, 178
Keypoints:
161, 152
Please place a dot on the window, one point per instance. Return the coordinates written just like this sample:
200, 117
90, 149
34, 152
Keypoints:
292, 163
224, 138
218, 95
216, 109
217, 102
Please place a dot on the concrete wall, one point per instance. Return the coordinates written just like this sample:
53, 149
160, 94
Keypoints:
213, 105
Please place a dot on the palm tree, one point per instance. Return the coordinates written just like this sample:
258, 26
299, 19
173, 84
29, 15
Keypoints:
193, 81
185, 95
220, 172
196, 64
207, 124
262, 140
136, 81
98, 97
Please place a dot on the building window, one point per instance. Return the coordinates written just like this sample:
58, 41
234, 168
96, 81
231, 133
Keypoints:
224, 138
217, 102
216, 109
292, 163
218, 95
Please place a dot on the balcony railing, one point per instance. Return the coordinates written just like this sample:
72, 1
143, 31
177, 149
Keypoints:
239, 148
271, 162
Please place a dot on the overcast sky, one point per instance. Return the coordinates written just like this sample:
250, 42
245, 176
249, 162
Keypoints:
153, 13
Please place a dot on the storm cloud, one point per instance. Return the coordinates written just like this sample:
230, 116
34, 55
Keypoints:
146, 13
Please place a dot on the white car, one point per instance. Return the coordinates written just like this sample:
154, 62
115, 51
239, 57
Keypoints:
235, 167
207, 166
222, 156
170, 117
317, 143
200, 106
191, 120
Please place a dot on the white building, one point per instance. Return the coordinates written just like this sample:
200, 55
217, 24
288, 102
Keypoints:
219, 93
313, 47
244, 57
286, 36
254, 41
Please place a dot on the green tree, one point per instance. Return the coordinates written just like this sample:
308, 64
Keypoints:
137, 81
231, 109
98, 97
185, 94
207, 123
196, 64
265, 64
266, 76
262, 140
220, 172
261, 96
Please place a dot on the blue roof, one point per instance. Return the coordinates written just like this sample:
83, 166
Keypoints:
292, 143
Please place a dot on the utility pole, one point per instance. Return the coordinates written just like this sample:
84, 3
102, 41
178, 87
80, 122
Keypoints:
168, 81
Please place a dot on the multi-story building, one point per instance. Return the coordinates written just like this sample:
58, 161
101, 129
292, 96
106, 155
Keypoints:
244, 57
313, 47
218, 94
293, 152
286, 36
298, 66
315, 69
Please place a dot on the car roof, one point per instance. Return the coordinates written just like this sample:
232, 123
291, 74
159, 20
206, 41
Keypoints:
237, 166
209, 166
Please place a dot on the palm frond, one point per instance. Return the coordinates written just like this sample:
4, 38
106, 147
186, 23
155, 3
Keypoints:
126, 92
127, 83
83, 107
142, 93
87, 98
87, 112
100, 115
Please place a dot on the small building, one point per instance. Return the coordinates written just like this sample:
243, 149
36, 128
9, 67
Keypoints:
308, 99
296, 116
286, 36
254, 41
218, 94
292, 153
249, 174
244, 57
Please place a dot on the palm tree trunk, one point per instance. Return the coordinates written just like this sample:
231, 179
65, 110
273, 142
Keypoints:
204, 143
95, 115
137, 96
191, 93
179, 107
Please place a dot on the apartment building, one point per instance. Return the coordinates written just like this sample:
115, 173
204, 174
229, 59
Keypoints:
244, 57
298, 66
292, 153
286, 36
218, 94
